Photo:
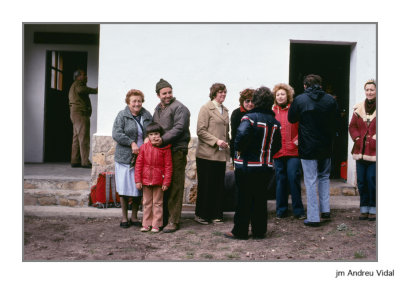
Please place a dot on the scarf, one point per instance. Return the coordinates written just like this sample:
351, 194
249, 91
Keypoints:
370, 106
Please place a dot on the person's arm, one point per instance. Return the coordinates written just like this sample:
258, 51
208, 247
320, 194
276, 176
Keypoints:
276, 139
181, 123
202, 128
168, 169
353, 128
139, 170
243, 134
295, 139
293, 113
82, 89
118, 133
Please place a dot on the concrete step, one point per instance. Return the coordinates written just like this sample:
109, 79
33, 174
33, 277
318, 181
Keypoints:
56, 191
61, 185
57, 184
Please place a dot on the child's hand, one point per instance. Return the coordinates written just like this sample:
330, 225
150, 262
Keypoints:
164, 188
139, 185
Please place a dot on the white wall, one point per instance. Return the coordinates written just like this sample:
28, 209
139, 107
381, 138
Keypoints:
34, 83
193, 56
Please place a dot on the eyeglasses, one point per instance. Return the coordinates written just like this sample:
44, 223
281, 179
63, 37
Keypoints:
248, 101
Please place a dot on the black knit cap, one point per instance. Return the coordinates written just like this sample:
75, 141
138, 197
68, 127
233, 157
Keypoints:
162, 84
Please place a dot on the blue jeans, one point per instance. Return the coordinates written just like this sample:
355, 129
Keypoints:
366, 183
316, 174
287, 171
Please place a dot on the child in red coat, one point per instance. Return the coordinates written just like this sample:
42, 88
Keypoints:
153, 173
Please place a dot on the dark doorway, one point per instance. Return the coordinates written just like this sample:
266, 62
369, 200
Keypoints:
332, 63
60, 66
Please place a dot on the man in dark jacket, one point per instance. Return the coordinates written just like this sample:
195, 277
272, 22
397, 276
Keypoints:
258, 139
174, 118
317, 114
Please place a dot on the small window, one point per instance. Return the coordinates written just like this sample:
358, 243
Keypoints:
56, 70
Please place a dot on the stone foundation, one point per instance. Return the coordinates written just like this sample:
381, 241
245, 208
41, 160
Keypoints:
103, 160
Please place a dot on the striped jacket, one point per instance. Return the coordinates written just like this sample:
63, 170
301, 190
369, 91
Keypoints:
257, 140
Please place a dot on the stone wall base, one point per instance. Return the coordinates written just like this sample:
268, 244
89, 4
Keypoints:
103, 160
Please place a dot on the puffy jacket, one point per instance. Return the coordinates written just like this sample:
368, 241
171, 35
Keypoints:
362, 130
258, 138
317, 114
154, 165
289, 133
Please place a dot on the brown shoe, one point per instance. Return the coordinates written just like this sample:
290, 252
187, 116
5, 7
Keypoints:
363, 216
371, 217
170, 228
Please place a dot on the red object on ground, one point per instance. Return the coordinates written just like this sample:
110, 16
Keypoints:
343, 170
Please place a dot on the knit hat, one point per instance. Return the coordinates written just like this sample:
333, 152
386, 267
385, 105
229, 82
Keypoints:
162, 84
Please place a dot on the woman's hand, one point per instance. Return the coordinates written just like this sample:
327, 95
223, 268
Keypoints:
135, 148
164, 188
139, 185
222, 144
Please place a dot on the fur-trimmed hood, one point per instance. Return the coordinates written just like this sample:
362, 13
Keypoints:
359, 109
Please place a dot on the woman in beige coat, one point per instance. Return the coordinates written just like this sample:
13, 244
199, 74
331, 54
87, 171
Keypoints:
211, 156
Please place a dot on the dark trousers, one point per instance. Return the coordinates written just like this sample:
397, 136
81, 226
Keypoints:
173, 196
287, 171
252, 202
210, 188
366, 183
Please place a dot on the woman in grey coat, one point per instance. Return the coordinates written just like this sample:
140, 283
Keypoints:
129, 132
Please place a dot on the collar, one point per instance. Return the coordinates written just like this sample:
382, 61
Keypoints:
217, 104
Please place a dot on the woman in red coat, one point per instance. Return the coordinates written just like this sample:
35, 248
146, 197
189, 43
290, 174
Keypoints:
153, 173
286, 161
362, 130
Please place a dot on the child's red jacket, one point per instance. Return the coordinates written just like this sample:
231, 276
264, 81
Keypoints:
154, 165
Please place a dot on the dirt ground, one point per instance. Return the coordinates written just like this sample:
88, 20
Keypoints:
344, 238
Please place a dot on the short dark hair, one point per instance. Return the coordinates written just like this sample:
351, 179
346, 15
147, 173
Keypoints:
263, 98
154, 127
215, 88
246, 94
312, 79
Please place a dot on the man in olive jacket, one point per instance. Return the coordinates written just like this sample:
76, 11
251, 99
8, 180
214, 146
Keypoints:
80, 112
174, 118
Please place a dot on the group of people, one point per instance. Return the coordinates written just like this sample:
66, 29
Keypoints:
272, 134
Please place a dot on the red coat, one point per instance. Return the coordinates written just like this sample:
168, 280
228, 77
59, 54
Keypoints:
365, 146
289, 132
154, 165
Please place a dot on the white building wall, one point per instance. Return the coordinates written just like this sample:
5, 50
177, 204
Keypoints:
34, 83
193, 56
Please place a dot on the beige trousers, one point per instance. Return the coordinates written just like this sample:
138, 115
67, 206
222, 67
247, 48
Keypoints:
152, 206
80, 138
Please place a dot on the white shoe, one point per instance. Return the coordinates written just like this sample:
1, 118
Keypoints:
201, 220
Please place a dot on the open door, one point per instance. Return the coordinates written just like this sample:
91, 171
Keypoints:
332, 63
60, 66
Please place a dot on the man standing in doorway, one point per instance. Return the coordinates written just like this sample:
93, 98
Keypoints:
174, 117
317, 114
80, 112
